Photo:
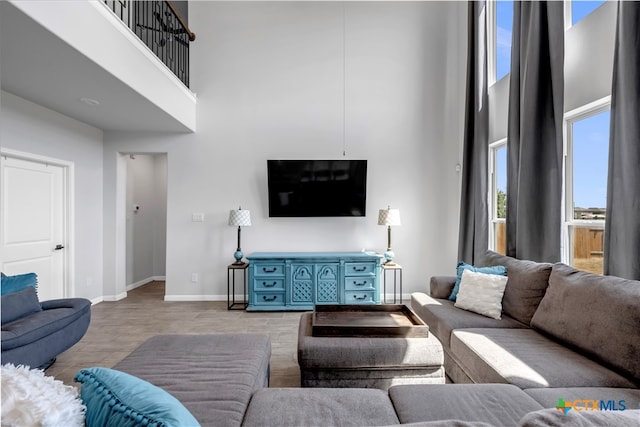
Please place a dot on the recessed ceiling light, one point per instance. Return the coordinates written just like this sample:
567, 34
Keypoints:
90, 102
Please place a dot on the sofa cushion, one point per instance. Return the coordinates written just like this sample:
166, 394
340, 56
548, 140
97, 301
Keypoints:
19, 304
442, 317
527, 359
599, 315
496, 404
17, 282
462, 266
620, 398
116, 398
553, 417
320, 407
213, 376
29, 329
527, 285
481, 293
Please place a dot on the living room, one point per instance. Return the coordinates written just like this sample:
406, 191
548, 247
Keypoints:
381, 81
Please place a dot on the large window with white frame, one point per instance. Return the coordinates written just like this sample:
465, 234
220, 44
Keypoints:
586, 165
498, 196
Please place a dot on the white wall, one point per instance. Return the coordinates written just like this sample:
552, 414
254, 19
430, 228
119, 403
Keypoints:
34, 129
146, 227
269, 78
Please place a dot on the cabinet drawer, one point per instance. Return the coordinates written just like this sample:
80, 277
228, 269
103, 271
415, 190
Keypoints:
356, 297
359, 283
269, 270
359, 268
268, 283
268, 298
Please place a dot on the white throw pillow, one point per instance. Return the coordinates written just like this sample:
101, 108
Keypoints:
481, 293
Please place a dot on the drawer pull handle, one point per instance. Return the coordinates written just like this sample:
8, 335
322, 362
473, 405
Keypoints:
269, 285
362, 298
272, 298
359, 284
269, 270
360, 269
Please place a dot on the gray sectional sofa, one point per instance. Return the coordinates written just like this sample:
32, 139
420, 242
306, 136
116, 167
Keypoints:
568, 343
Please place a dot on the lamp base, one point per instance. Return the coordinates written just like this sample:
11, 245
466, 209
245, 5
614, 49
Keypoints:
388, 255
238, 256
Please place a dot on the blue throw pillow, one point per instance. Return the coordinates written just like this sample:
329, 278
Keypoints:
119, 399
19, 304
499, 270
9, 284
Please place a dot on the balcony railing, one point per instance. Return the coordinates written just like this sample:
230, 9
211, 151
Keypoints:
159, 25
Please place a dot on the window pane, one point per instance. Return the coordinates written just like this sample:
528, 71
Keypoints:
501, 181
590, 161
581, 8
590, 158
504, 23
588, 248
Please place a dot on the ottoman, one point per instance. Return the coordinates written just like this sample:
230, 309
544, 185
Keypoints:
367, 362
214, 376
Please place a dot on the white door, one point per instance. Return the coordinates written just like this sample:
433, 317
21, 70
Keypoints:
32, 203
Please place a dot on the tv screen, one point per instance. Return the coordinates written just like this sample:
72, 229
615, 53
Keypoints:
310, 188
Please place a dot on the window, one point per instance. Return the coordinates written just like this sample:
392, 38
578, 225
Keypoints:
581, 8
500, 26
498, 198
587, 142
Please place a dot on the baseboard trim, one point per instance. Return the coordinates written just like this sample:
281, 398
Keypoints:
144, 282
118, 297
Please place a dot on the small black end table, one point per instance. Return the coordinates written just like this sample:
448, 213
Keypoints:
396, 271
232, 304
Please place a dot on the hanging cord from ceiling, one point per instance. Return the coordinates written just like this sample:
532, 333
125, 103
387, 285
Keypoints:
344, 81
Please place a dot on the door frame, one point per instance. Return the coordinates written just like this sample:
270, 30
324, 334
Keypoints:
68, 210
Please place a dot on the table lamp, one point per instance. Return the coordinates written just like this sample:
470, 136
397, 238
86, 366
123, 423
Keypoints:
240, 218
389, 217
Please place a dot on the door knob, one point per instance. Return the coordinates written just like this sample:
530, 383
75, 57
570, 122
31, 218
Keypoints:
58, 247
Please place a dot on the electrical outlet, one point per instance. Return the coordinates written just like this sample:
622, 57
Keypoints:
194, 277
197, 217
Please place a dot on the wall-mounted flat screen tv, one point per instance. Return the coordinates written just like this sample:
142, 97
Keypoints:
317, 188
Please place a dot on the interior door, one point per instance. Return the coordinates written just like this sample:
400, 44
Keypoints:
32, 224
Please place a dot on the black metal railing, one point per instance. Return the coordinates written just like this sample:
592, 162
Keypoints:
159, 25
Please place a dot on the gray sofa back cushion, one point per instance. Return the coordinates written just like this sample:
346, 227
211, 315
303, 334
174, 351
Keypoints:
528, 281
599, 315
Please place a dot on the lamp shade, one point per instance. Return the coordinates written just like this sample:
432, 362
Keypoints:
240, 217
389, 217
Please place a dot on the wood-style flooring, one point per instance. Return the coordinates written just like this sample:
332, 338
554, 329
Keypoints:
118, 328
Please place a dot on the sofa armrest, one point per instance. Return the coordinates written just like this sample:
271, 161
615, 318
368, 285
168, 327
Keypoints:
441, 286
76, 303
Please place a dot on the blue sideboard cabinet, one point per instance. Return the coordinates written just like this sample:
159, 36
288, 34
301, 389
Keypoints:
300, 280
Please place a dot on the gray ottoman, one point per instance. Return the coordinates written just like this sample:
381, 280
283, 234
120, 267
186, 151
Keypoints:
367, 362
214, 376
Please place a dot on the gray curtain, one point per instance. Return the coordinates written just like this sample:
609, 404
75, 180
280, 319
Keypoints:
473, 232
622, 225
534, 145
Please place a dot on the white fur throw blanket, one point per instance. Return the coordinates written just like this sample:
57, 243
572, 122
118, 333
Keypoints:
29, 398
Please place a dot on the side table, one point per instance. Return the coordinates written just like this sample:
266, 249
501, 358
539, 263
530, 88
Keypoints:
395, 271
232, 304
